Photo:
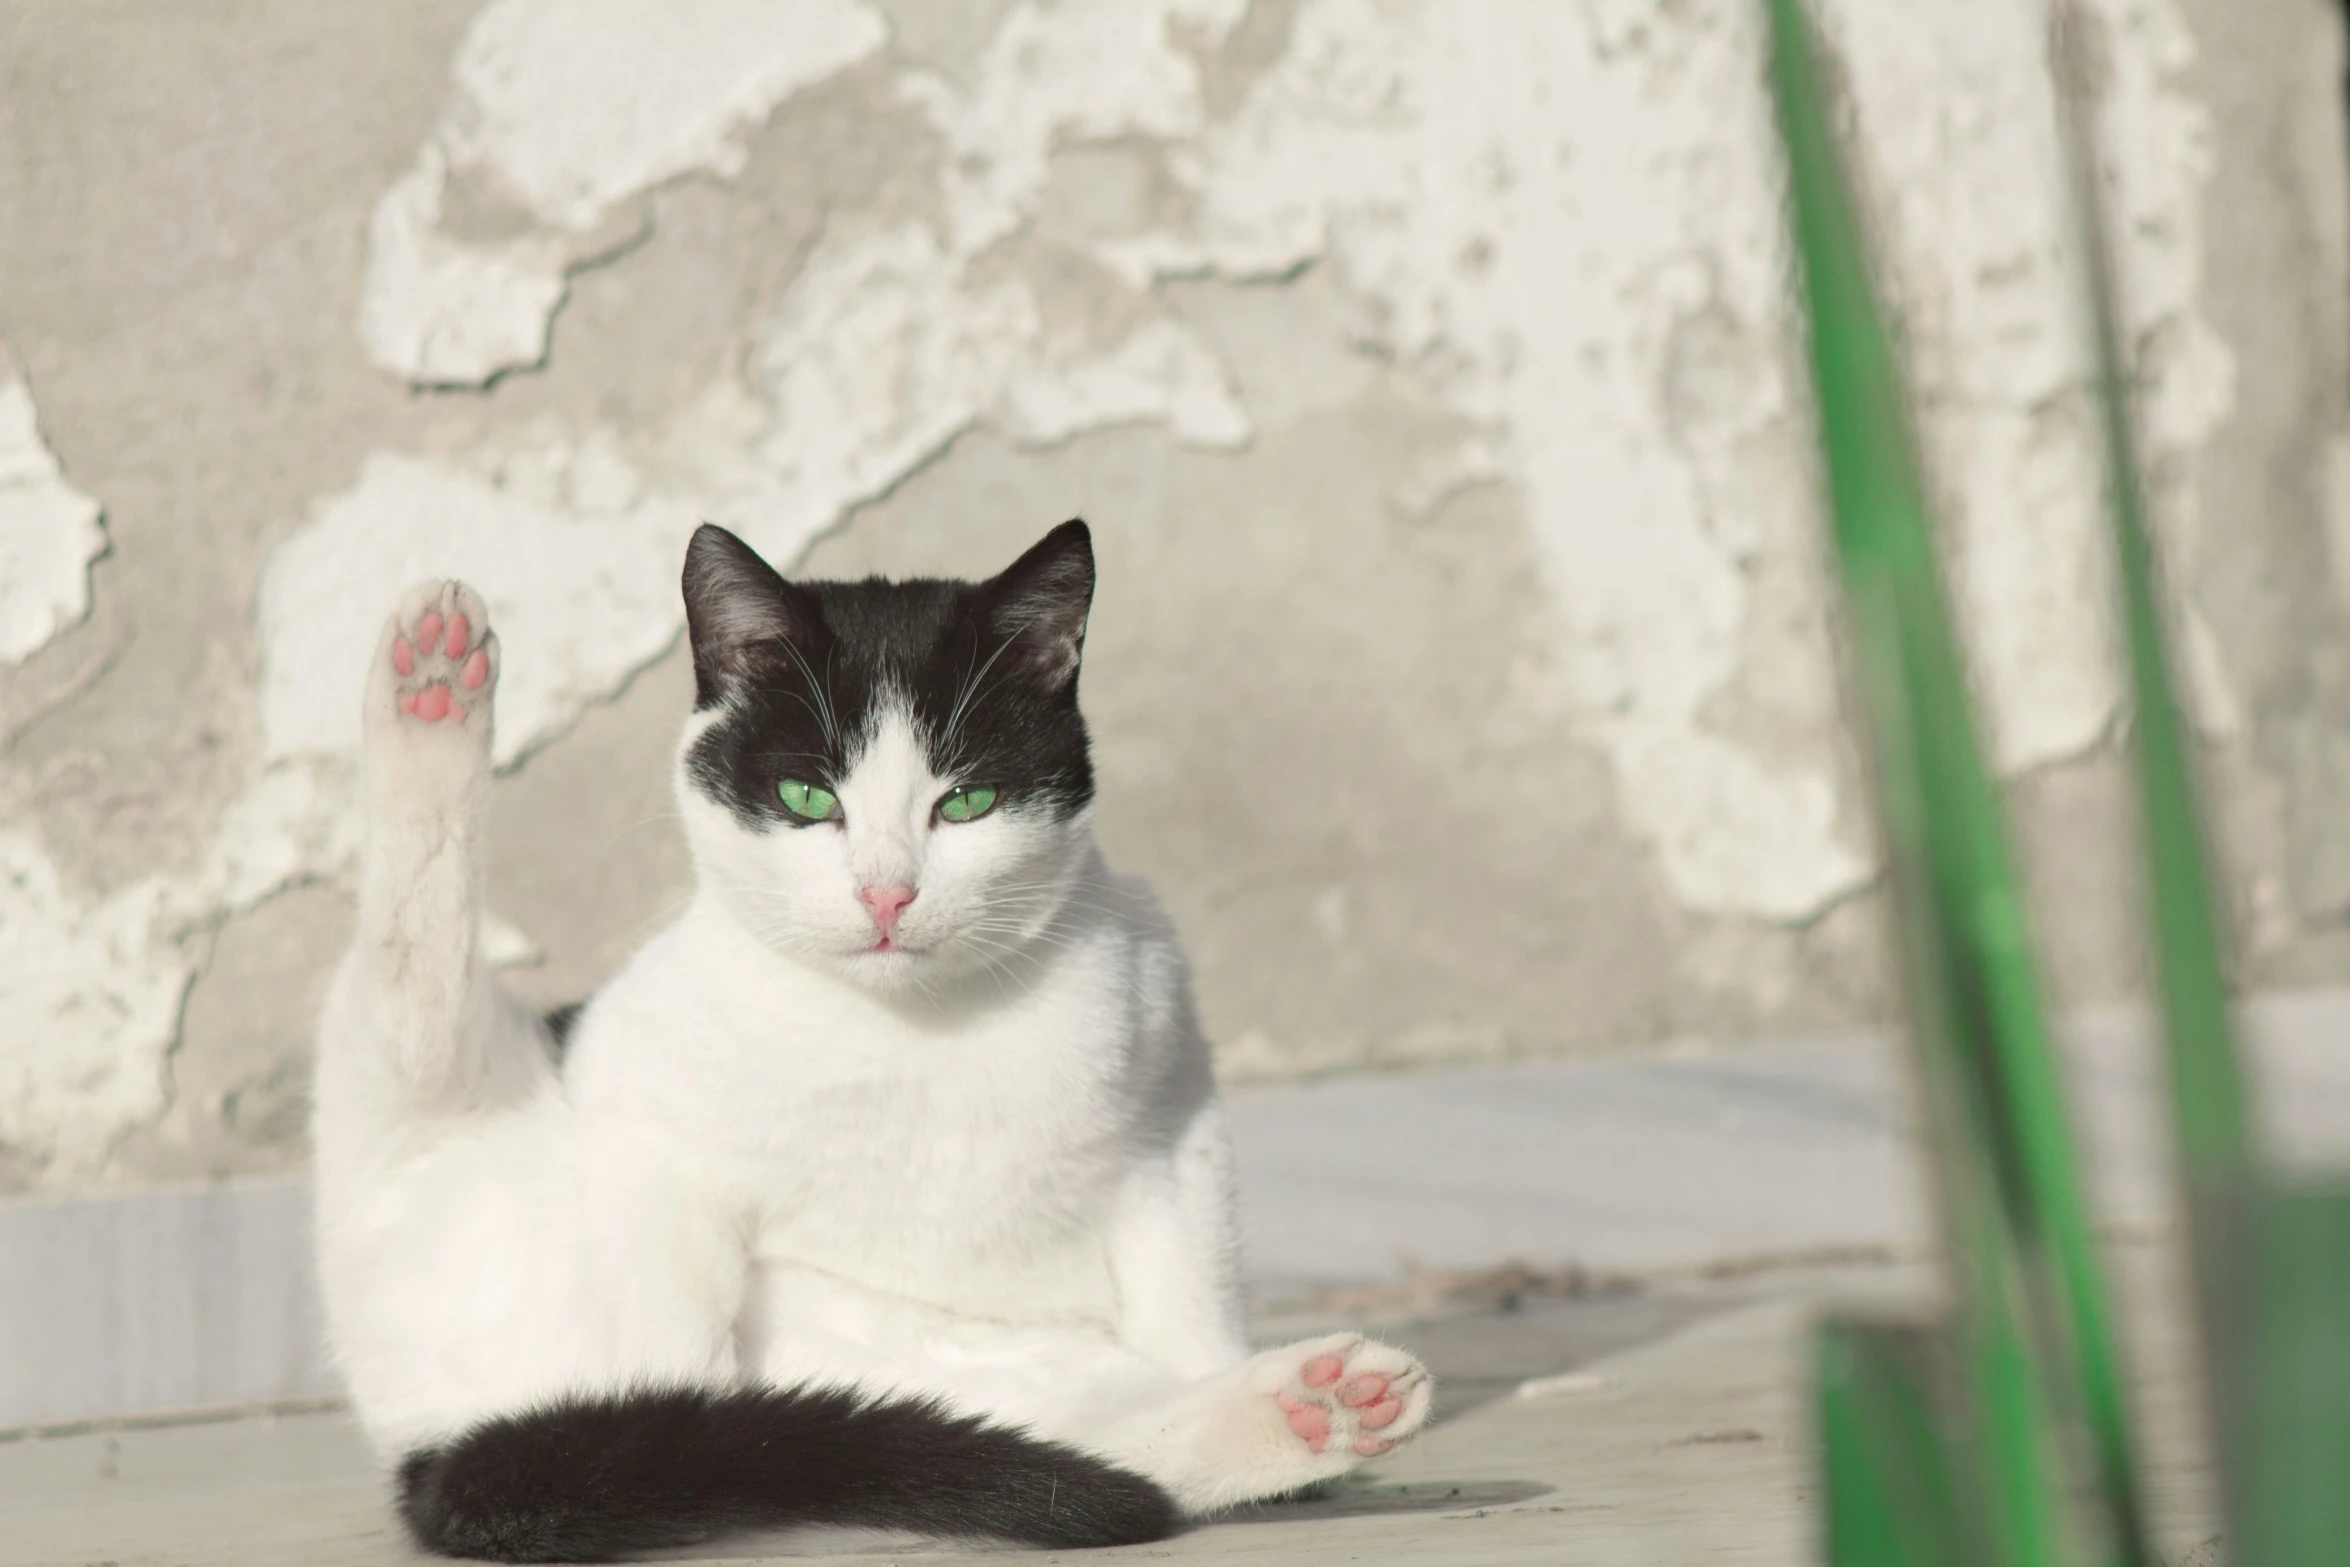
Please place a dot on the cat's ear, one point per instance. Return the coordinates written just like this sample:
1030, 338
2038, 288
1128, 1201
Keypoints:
1040, 602
739, 613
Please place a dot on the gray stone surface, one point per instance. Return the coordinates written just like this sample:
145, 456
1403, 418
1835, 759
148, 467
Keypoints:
1590, 1475
1673, 1428
167, 1301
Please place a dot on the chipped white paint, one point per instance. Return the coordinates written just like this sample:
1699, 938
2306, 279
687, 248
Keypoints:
2186, 387
1603, 309
49, 532
1055, 75
1536, 276
883, 353
88, 1007
90, 992
1543, 275
569, 108
576, 105
444, 312
1975, 202
1993, 354
886, 351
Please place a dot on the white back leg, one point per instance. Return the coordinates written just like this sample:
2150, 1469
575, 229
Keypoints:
1276, 1423
413, 994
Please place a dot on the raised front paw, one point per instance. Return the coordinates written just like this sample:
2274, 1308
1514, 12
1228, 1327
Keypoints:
1346, 1393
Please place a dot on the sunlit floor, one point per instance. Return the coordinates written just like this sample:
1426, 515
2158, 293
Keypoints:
1649, 1404
1664, 1425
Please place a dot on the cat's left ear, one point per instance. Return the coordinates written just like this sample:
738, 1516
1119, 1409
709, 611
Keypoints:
741, 616
1040, 602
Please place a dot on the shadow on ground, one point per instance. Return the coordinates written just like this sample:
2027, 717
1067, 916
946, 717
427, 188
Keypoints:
1370, 1500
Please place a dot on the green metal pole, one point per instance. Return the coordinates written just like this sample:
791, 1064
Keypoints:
2047, 1404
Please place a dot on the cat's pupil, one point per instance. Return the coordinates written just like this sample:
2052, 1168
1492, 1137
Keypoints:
964, 802
811, 802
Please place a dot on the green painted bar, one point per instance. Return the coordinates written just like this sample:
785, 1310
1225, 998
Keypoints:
2032, 1328
1895, 1496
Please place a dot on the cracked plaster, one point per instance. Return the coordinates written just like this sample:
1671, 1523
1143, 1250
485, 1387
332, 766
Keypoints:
1598, 314
49, 531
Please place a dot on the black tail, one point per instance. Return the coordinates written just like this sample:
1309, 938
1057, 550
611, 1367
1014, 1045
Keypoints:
591, 1479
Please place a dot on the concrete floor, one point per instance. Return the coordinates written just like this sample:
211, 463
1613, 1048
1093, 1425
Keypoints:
1668, 1426
1658, 1231
1610, 1466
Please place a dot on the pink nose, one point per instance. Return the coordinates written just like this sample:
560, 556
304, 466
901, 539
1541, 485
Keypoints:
885, 904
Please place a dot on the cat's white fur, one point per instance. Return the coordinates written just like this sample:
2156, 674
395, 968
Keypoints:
990, 1167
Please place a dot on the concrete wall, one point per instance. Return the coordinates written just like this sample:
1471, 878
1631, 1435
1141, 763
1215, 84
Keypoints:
1461, 670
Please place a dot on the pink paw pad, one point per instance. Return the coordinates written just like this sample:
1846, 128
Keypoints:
403, 656
1312, 1425
432, 703
1321, 1371
1381, 1415
1360, 1391
428, 630
1371, 1446
476, 670
460, 633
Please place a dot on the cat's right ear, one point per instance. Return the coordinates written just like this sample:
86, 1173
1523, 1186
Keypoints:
739, 613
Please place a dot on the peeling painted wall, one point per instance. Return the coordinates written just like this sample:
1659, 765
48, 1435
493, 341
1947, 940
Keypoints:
1462, 669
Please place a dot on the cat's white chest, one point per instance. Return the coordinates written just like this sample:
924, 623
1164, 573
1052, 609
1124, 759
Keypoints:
943, 1177
968, 1164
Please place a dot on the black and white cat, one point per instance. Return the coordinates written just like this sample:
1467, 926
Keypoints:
888, 1187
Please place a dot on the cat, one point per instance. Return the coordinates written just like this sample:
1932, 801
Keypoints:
887, 1187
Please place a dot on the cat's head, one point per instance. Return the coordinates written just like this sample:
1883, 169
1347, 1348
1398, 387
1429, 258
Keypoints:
889, 780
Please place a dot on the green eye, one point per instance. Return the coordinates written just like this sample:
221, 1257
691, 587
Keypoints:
810, 802
966, 803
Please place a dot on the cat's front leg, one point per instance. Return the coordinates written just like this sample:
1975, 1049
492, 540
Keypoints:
1175, 1255
1236, 1427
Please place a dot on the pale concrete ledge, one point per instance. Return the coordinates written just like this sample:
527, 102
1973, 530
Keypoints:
1654, 1165
1673, 1428
159, 1301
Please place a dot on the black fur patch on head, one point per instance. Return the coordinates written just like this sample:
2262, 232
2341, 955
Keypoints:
797, 669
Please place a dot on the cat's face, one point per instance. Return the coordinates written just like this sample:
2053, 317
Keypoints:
889, 780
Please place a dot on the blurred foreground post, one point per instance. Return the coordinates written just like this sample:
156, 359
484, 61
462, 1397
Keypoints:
1999, 1436
2271, 1258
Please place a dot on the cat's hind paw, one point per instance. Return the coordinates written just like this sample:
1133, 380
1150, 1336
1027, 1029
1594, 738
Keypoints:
1348, 1394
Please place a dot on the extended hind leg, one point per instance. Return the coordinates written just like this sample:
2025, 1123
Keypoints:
1278, 1422
414, 991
